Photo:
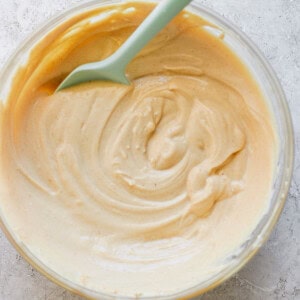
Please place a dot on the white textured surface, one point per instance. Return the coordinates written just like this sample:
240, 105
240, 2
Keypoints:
274, 273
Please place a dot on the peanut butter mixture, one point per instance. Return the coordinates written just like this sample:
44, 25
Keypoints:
145, 189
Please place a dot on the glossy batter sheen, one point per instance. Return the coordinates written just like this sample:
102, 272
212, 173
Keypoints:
135, 190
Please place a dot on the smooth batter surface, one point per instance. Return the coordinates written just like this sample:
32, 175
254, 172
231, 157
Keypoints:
143, 189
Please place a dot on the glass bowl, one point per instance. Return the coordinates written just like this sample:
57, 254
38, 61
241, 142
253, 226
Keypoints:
275, 98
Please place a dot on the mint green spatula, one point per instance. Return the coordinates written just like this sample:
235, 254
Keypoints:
113, 67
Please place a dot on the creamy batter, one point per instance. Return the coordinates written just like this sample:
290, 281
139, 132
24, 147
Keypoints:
144, 189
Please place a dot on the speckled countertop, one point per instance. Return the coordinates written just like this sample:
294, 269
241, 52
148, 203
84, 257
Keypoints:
274, 273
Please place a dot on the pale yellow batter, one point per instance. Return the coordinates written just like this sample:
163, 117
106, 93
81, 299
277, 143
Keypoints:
143, 189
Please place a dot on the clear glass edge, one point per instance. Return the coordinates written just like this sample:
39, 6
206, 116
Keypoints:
285, 179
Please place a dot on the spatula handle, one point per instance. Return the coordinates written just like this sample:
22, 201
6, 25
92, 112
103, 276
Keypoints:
163, 13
